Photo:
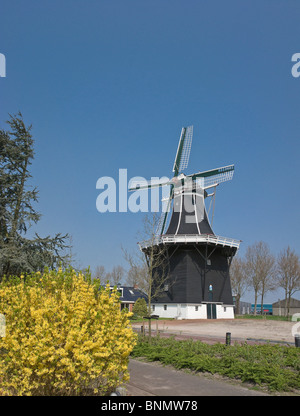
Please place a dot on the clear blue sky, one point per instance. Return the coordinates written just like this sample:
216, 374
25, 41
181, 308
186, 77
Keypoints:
109, 84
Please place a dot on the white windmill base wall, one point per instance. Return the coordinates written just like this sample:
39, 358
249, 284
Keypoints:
188, 311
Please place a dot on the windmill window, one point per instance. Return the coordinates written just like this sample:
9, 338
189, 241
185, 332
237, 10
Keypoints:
153, 307
165, 307
196, 308
208, 262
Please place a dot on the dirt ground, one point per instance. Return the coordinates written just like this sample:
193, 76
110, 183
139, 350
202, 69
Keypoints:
250, 330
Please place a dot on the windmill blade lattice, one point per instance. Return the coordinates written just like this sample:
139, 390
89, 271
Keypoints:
186, 150
183, 150
143, 184
215, 176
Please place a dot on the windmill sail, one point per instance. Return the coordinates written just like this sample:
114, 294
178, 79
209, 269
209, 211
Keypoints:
180, 163
186, 150
164, 216
183, 150
213, 177
143, 184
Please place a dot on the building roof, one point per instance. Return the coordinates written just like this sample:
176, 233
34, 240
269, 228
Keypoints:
130, 294
295, 303
189, 215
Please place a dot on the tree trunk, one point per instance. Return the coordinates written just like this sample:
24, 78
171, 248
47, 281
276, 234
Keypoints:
237, 304
261, 304
150, 329
288, 304
19, 201
149, 314
255, 302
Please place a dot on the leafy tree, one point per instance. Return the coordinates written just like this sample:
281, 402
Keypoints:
19, 254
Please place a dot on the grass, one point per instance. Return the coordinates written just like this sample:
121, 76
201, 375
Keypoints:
137, 320
267, 317
273, 366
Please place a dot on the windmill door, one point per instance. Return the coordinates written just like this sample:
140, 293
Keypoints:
211, 311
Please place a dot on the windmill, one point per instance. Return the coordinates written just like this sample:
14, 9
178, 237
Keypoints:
198, 260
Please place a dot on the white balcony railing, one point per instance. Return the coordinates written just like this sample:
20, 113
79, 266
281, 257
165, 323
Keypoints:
191, 238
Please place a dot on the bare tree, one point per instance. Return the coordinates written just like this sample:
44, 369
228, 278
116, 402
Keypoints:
239, 281
267, 273
138, 270
260, 269
135, 275
252, 274
100, 274
150, 263
116, 275
288, 275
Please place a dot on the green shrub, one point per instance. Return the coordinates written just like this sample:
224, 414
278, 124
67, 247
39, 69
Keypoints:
274, 366
140, 308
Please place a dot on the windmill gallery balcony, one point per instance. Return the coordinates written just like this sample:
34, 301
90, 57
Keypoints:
191, 238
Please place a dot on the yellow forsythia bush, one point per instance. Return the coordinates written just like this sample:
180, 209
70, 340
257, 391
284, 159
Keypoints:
64, 336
